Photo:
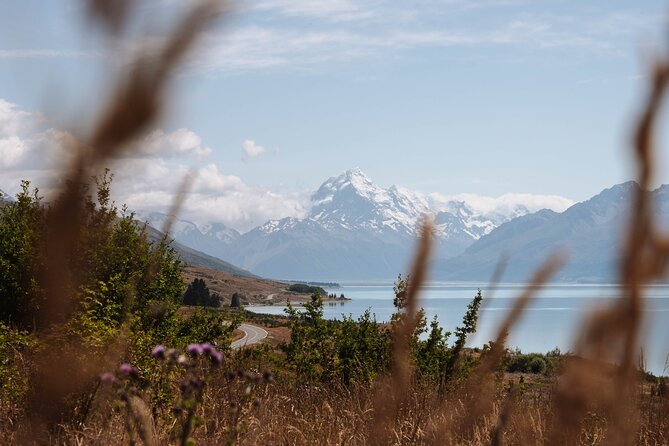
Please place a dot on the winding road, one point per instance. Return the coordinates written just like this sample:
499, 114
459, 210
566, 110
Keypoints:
252, 335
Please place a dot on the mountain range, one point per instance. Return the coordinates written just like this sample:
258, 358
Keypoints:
355, 230
590, 232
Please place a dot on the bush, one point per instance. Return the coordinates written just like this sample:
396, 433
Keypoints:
529, 363
344, 350
306, 289
16, 347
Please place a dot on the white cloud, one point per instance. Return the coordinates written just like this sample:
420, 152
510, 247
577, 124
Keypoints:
335, 10
504, 204
42, 53
299, 35
302, 47
181, 142
12, 150
252, 150
26, 142
147, 178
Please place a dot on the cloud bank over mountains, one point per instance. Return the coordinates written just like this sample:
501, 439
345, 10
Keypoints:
149, 175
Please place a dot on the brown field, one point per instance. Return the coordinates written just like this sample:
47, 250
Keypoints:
253, 290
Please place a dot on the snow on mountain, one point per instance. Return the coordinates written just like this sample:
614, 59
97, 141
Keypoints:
591, 231
483, 214
352, 200
356, 230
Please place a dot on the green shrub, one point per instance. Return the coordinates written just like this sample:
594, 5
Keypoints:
306, 289
535, 363
16, 347
346, 350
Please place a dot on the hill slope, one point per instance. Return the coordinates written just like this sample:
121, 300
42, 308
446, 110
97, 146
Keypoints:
194, 257
590, 231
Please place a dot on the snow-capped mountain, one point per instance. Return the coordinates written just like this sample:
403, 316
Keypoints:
351, 200
359, 230
355, 229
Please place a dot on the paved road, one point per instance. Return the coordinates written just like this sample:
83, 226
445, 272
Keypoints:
252, 335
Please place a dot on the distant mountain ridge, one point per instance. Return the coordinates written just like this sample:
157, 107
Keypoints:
591, 231
355, 230
205, 238
194, 257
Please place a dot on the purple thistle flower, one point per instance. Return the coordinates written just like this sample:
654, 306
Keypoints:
194, 349
158, 352
207, 348
128, 370
107, 378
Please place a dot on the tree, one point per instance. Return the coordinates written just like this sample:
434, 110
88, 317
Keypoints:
344, 350
198, 294
21, 262
235, 300
119, 271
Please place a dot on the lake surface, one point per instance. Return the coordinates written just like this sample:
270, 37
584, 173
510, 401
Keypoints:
552, 319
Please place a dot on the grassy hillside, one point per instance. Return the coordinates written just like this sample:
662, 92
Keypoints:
197, 258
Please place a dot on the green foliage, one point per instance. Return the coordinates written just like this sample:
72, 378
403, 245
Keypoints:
128, 291
15, 348
310, 347
535, 363
21, 227
126, 278
306, 289
198, 294
119, 271
344, 350
434, 359
431, 355
363, 348
400, 288
468, 327
359, 350
204, 326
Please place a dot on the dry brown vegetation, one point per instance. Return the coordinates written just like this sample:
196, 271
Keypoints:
590, 402
254, 290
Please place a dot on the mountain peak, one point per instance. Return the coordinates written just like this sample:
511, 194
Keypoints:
354, 179
357, 178
355, 172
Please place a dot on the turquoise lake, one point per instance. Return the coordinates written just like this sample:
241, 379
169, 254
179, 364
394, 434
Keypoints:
553, 318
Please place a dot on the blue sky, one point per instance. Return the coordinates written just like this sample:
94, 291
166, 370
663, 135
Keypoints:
448, 96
